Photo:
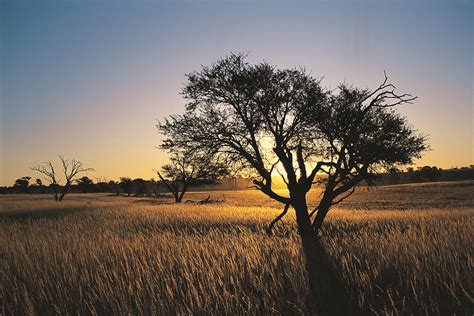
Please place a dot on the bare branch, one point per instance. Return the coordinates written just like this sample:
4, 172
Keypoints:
313, 211
345, 196
265, 188
70, 170
278, 218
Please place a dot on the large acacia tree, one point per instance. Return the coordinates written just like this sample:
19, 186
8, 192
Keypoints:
281, 121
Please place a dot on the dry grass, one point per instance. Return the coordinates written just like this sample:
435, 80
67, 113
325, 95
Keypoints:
95, 254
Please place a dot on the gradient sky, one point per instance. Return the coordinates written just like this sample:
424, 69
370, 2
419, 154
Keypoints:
89, 79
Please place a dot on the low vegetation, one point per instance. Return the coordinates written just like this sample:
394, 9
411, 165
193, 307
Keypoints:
98, 254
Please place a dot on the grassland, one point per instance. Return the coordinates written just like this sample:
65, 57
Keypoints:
398, 250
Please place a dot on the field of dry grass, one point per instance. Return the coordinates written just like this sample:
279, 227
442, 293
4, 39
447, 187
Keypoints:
398, 250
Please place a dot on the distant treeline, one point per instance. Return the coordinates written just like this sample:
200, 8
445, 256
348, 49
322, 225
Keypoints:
141, 187
126, 186
426, 174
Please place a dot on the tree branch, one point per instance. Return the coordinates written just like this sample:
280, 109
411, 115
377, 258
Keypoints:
278, 218
266, 188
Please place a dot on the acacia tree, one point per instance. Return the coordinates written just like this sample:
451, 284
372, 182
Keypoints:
126, 184
22, 184
271, 120
85, 184
186, 168
70, 168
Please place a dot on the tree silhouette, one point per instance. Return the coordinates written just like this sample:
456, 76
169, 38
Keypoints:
126, 184
429, 173
21, 185
187, 168
85, 184
113, 187
140, 187
70, 168
281, 121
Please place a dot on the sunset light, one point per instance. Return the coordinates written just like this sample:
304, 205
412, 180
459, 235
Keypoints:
238, 157
91, 79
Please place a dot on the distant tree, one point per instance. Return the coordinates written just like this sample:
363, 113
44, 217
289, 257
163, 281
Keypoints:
186, 169
38, 187
101, 180
155, 187
394, 174
113, 187
101, 185
126, 184
140, 187
21, 185
429, 173
85, 184
280, 120
70, 168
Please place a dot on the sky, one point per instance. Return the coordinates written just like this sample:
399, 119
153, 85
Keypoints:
90, 79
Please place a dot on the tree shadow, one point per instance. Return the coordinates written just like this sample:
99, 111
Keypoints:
329, 294
153, 201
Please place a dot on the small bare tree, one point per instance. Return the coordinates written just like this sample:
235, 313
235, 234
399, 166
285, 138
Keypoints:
71, 168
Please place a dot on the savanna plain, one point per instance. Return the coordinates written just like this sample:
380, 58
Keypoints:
397, 250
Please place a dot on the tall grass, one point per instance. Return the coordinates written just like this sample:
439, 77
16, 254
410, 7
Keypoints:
136, 258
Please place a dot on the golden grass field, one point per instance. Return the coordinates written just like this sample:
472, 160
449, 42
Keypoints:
399, 250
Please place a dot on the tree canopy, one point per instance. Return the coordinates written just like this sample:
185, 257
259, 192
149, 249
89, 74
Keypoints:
188, 168
266, 121
269, 120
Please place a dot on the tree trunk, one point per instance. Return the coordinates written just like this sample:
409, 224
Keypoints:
176, 196
180, 197
55, 192
321, 215
64, 191
326, 296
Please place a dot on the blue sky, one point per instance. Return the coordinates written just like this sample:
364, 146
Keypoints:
89, 79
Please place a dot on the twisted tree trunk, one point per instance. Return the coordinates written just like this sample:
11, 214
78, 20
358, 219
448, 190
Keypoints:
326, 292
64, 191
323, 210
